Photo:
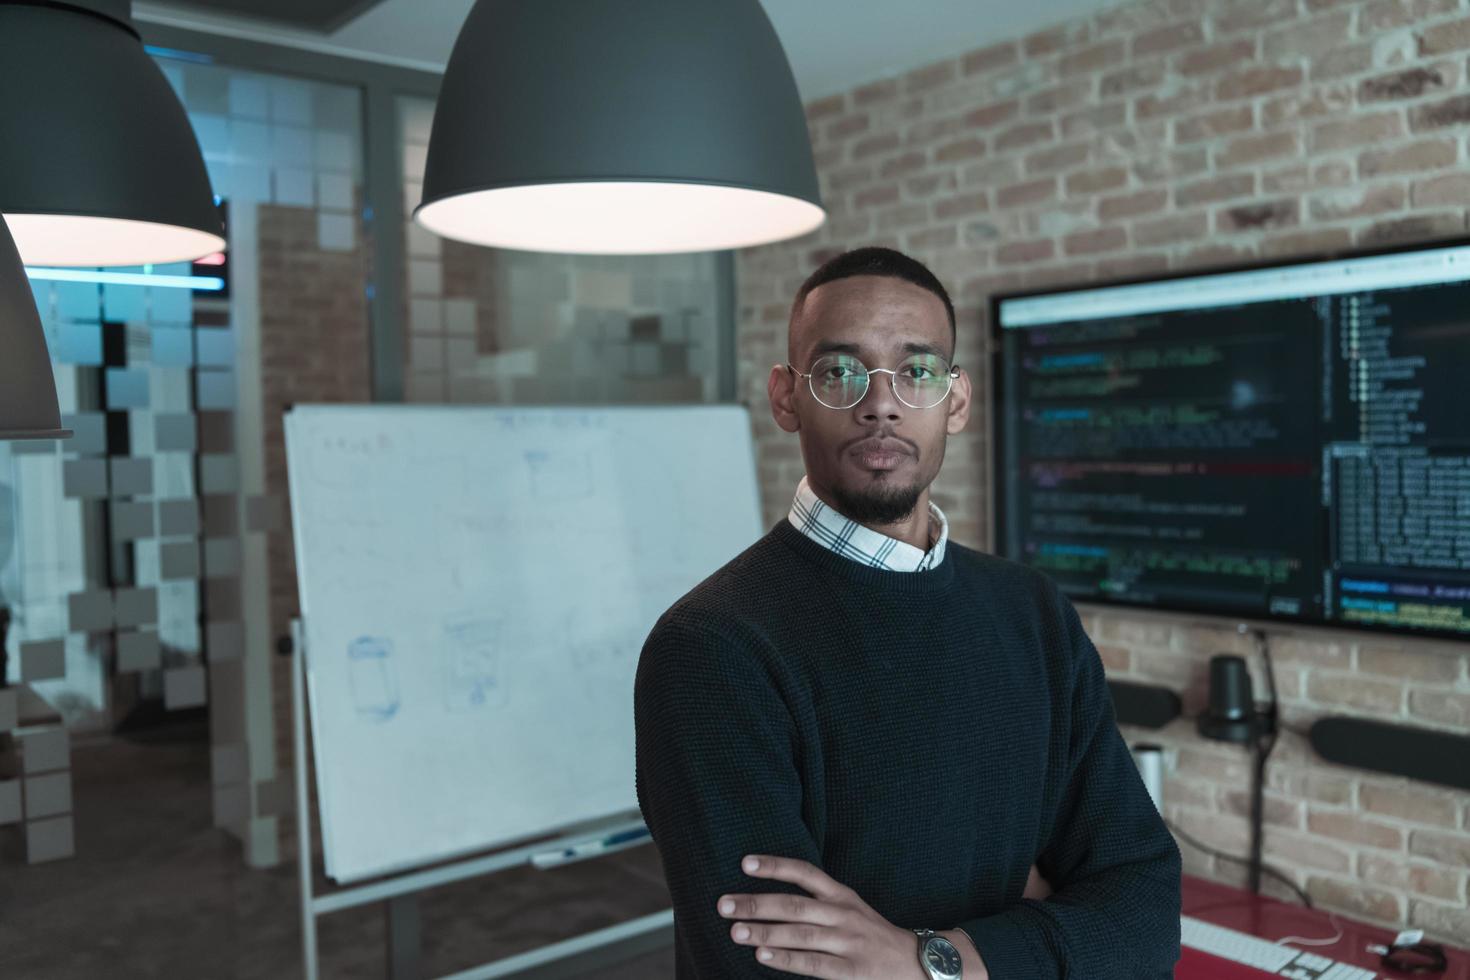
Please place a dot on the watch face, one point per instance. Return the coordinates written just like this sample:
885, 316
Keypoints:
942, 957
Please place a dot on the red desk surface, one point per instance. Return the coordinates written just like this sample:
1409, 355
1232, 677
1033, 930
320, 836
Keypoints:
1237, 909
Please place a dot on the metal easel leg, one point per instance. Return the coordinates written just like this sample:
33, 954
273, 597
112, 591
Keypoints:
405, 934
303, 801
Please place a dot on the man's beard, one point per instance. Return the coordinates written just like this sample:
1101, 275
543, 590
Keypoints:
880, 504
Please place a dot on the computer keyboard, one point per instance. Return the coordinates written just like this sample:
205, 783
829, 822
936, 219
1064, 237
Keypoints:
1284, 961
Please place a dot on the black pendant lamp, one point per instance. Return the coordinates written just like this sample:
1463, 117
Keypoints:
27, 387
619, 126
98, 162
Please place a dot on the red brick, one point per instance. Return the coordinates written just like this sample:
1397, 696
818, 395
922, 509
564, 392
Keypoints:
1369, 903
1445, 847
1423, 155
1355, 829
1035, 250
926, 184
946, 236
1168, 38
874, 197
1409, 803
1214, 189
1167, 231
905, 163
1131, 205
1094, 57
1307, 38
830, 106
1257, 80
1054, 39
847, 126
874, 145
1450, 36
930, 76
958, 204
1385, 15
1350, 59
1024, 134
1408, 83
1029, 192
878, 91
1132, 78
1049, 101
1094, 119
1207, 60
1451, 112
992, 57
1309, 103
1096, 240
1249, 149
992, 114
927, 130
1356, 202
1062, 157
1152, 105
1350, 690
1245, 14
1356, 131
962, 149
1093, 181
902, 216
1414, 664
1416, 228
1321, 241
1440, 707
1216, 122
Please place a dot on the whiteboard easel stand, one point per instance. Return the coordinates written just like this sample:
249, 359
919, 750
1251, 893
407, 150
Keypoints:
400, 893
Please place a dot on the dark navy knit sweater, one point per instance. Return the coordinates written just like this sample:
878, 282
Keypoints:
923, 737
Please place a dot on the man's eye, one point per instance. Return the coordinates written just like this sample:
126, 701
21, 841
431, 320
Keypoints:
920, 373
839, 373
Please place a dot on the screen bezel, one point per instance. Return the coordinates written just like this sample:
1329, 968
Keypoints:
996, 433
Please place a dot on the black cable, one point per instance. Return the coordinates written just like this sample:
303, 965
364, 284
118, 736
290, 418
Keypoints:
1265, 868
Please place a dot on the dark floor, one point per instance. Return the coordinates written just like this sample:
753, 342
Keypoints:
155, 891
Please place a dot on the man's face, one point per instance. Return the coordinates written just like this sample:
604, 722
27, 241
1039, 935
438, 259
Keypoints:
875, 459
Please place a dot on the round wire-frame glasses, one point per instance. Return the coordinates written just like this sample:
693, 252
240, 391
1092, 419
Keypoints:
846, 389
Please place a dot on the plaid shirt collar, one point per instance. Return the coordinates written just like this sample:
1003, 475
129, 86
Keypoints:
848, 538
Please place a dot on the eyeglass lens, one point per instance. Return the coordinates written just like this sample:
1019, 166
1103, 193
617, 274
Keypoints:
841, 380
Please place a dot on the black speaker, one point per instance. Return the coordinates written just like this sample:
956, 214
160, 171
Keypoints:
1143, 704
1419, 753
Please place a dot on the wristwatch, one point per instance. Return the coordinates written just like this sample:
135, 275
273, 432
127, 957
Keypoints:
938, 956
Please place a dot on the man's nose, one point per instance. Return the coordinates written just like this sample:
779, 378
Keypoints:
879, 401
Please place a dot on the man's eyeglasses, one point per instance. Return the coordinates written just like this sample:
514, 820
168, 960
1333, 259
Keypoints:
841, 381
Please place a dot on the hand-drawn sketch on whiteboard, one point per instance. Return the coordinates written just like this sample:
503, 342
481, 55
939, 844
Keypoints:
472, 657
374, 688
476, 584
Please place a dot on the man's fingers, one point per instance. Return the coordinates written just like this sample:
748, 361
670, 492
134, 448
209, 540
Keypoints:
805, 963
786, 935
776, 907
798, 872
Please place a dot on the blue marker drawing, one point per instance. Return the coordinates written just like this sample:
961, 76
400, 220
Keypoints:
374, 686
472, 663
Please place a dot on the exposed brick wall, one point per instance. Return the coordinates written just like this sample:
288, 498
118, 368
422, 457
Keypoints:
1167, 135
314, 347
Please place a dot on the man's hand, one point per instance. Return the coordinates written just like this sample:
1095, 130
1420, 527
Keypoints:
834, 934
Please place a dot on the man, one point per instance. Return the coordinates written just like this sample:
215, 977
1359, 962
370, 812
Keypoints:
899, 730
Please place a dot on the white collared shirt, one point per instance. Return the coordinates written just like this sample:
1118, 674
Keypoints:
848, 538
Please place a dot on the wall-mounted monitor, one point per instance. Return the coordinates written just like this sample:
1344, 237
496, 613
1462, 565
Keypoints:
1287, 441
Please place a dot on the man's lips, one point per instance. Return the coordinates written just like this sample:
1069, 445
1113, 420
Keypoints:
880, 454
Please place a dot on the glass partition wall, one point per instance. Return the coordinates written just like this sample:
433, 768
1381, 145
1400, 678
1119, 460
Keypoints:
146, 566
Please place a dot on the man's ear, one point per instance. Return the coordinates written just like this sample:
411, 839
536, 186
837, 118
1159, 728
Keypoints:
781, 389
959, 403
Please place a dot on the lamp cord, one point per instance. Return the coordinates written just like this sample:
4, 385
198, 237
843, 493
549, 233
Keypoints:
1265, 868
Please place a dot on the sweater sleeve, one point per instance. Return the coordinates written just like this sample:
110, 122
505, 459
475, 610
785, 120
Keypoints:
717, 779
1113, 865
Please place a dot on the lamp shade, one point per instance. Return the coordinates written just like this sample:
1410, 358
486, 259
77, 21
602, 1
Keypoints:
98, 162
27, 387
619, 126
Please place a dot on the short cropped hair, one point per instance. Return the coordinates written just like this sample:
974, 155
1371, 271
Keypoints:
874, 260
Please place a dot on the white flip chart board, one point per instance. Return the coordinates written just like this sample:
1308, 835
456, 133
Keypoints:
476, 585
